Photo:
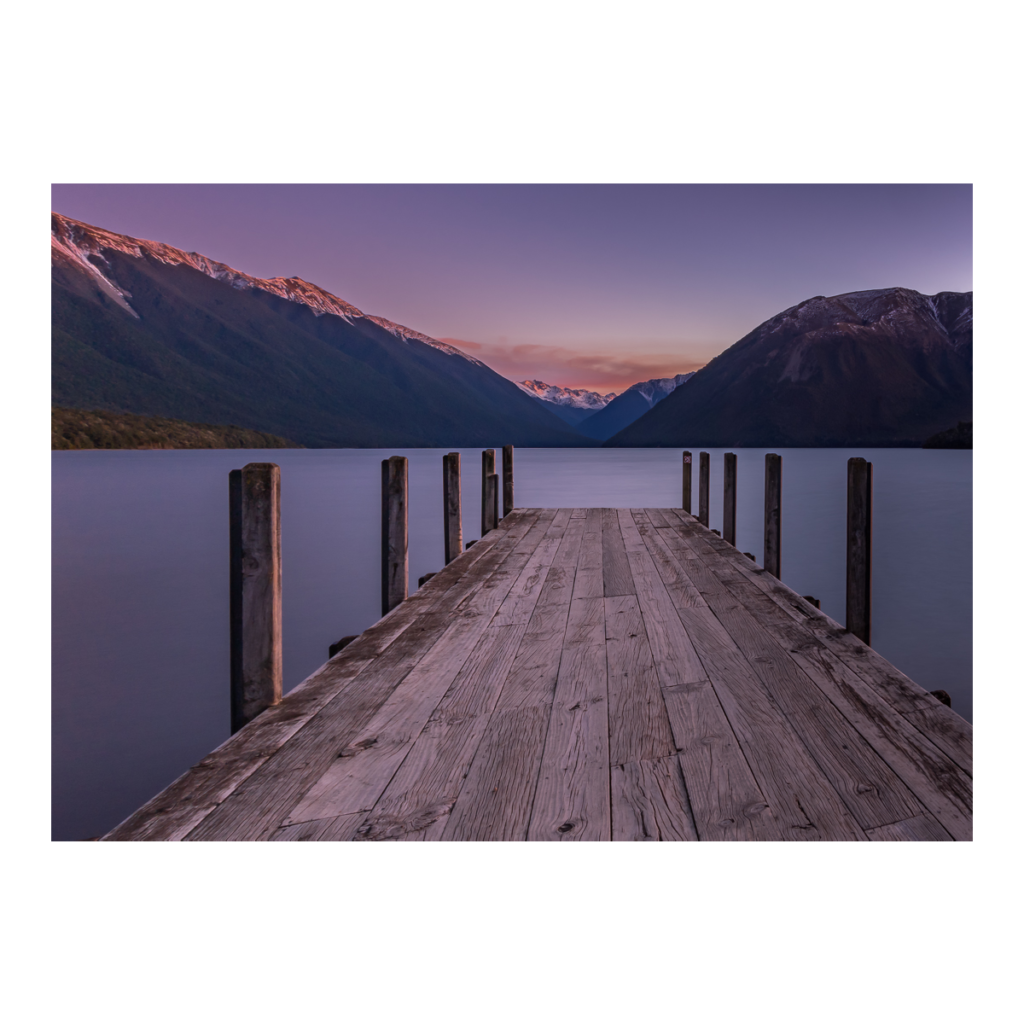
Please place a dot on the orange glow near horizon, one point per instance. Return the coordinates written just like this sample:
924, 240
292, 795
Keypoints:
573, 368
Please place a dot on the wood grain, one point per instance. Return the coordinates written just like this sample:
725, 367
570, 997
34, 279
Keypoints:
649, 802
922, 829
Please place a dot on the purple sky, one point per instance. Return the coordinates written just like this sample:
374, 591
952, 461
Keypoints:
594, 286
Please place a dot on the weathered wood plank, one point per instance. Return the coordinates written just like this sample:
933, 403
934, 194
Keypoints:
923, 828
590, 566
497, 797
572, 799
618, 580
469, 655
935, 780
262, 800
870, 789
325, 830
639, 729
649, 802
426, 785
952, 733
178, 809
725, 799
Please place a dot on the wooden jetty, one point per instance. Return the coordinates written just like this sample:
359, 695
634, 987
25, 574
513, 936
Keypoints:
589, 674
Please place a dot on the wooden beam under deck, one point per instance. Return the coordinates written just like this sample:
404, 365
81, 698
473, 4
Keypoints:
589, 674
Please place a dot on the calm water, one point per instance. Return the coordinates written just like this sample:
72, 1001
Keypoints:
140, 578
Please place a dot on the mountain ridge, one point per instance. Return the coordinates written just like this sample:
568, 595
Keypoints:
882, 367
144, 328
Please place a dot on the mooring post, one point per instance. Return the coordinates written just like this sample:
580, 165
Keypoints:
488, 503
858, 549
394, 533
452, 472
255, 588
704, 490
773, 515
687, 467
729, 500
507, 487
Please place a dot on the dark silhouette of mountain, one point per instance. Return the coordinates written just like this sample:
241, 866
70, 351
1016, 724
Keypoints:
960, 436
630, 406
886, 368
145, 328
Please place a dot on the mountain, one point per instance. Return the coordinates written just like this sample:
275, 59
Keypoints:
960, 436
142, 327
569, 404
884, 368
631, 405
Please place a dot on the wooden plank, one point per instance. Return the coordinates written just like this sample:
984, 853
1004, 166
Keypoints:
325, 830
618, 580
649, 802
650, 515
951, 732
425, 787
935, 780
677, 582
572, 799
639, 729
174, 812
725, 799
534, 673
360, 773
590, 566
922, 829
870, 789
467, 655
948, 731
799, 794
263, 799
497, 797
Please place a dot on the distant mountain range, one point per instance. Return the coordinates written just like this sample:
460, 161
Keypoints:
600, 416
887, 368
633, 403
142, 327
570, 404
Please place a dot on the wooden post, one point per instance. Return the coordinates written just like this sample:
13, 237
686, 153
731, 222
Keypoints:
704, 490
687, 467
729, 500
255, 589
486, 469
773, 515
507, 488
858, 549
452, 473
490, 502
394, 533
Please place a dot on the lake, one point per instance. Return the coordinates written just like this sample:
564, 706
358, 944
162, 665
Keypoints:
140, 577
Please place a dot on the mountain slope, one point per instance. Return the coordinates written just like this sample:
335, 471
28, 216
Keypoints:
631, 405
146, 328
888, 367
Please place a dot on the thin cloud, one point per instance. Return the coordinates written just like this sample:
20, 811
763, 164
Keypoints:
571, 368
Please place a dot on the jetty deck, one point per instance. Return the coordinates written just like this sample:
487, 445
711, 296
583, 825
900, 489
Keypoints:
589, 674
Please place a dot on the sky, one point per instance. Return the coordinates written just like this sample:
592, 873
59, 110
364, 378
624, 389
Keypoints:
582, 286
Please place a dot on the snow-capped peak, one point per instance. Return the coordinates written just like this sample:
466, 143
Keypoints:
653, 391
82, 246
576, 398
